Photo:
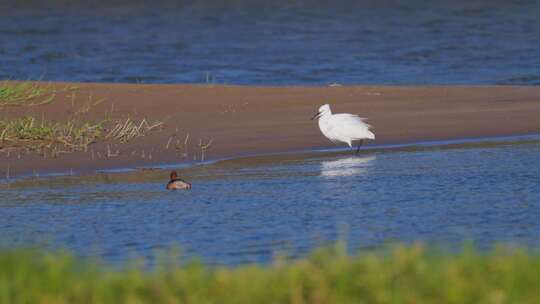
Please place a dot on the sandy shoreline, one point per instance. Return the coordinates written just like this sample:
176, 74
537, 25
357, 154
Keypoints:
251, 120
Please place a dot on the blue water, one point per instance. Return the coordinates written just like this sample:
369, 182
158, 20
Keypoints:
285, 42
248, 210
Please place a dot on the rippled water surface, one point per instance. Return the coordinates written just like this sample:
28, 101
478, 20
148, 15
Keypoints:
284, 42
247, 210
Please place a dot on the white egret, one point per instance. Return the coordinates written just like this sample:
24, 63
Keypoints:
343, 127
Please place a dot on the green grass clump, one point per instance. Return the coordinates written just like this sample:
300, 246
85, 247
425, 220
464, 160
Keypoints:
402, 274
29, 93
28, 132
25, 94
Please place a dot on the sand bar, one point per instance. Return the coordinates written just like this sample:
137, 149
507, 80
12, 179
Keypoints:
252, 120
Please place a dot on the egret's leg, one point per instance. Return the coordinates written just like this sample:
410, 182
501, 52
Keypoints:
359, 145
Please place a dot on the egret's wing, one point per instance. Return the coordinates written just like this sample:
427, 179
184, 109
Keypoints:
350, 120
351, 126
329, 131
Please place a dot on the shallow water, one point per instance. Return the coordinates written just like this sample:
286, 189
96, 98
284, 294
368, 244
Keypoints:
284, 42
246, 210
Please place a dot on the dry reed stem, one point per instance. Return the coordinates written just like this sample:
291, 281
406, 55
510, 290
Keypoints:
204, 147
125, 131
168, 143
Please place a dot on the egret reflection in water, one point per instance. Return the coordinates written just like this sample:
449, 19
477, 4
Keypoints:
348, 166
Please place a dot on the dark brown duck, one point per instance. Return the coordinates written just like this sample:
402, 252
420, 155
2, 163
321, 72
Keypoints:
177, 183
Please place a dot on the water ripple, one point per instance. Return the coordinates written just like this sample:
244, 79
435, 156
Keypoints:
350, 42
249, 211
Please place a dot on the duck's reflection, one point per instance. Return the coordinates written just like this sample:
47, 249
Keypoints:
349, 166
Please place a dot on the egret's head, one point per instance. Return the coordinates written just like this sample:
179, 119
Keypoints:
323, 110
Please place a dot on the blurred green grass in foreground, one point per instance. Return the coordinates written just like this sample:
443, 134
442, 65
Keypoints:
396, 274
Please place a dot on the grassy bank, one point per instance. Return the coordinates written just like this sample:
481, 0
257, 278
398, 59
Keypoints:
397, 275
75, 130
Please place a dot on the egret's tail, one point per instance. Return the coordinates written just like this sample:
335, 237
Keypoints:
370, 135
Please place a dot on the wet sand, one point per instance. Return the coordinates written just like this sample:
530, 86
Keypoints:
252, 120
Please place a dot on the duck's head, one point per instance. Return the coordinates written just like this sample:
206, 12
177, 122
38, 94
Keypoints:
323, 110
174, 175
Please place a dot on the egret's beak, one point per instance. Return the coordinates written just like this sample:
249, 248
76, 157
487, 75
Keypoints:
316, 115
